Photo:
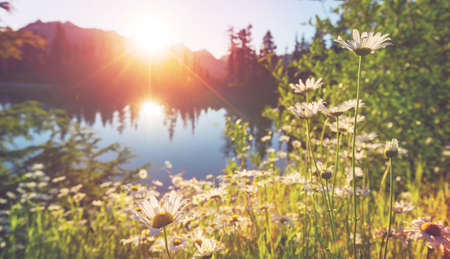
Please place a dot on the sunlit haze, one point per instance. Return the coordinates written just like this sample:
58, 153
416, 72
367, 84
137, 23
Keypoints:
197, 24
151, 35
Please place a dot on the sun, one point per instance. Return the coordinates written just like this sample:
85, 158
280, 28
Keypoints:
150, 108
151, 36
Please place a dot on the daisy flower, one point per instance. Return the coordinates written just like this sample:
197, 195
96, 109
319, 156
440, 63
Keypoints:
142, 173
309, 84
206, 248
403, 207
174, 244
283, 220
307, 110
336, 111
157, 215
365, 43
435, 234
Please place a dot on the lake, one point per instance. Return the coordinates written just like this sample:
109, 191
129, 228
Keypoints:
185, 129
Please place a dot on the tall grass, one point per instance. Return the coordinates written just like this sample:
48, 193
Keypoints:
328, 200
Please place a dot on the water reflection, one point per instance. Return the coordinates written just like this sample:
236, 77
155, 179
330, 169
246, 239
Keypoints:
150, 109
184, 126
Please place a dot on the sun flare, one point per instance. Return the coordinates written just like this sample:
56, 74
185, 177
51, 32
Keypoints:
151, 36
150, 108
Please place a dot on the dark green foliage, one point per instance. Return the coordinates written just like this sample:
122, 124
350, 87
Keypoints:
405, 86
69, 150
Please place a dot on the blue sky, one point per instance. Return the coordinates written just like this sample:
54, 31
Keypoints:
196, 23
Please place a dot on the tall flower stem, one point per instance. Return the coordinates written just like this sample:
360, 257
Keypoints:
325, 193
355, 199
391, 197
165, 242
336, 165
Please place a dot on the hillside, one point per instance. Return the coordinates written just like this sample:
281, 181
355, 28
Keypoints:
100, 40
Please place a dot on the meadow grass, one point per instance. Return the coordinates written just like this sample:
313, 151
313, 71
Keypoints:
331, 198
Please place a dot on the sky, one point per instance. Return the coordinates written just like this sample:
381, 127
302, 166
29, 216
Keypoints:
199, 24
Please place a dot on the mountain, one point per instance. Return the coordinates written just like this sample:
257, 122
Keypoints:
75, 35
81, 38
216, 68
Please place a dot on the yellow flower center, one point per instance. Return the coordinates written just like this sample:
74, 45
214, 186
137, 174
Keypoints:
284, 220
234, 219
215, 196
198, 242
162, 219
134, 188
263, 207
362, 51
431, 229
315, 187
177, 242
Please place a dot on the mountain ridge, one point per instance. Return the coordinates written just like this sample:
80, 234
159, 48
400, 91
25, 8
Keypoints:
98, 38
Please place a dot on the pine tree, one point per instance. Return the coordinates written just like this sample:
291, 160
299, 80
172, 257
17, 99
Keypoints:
59, 46
268, 45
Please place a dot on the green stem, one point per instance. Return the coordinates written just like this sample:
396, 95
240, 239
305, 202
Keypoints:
336, 166
355, 199
325, 195
165, 242
391, 197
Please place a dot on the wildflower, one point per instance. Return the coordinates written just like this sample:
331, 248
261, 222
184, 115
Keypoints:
326, 174
293, 178
167, 164
284, 138
403, 207
365, 43
312, 188
391, 148
284, 220
215, 193
359, 191
207, 248
265, 138
38, 174
235, 219
157, 183
287, 128
264, 208
79, 196
174, 244
435, 234
53, 207
336, 111
282, 154
157, 215
63, 192
296, 144
58, 179
97, 203
3, 201
142, 173
310, 84
37, 167
31, 185
76, 188
306, 110
270, 150
11, 195
105, 184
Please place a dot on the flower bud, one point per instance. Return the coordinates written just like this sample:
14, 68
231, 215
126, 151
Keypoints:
391, 149
326, 175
